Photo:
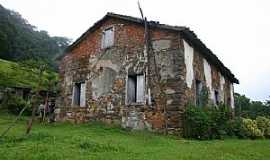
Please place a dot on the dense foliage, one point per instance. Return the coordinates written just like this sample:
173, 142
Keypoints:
217, 123
247, 108
206, 122
14, 104
263, 124
20, 40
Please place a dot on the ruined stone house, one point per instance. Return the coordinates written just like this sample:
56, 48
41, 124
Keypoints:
109, 75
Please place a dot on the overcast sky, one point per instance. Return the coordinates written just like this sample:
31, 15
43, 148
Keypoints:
237, 31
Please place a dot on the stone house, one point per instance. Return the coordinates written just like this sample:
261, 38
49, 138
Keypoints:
113, 74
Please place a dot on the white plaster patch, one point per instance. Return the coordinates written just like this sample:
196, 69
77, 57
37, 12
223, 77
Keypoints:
162, 44
57, 111
169, 101
188, 50
69, 114
232, 96
208, 78
108, 64
169, 91
222, 83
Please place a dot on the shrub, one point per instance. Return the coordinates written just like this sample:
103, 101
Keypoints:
267, 132
197, 123
206, 123
263, 124
219, 117
14, 104
216, 123
234, 128
251, 129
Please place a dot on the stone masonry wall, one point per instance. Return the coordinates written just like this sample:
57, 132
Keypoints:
105, 72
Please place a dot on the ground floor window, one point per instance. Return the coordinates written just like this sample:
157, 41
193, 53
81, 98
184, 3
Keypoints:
217, 101
135, 88
198, 93
78, 97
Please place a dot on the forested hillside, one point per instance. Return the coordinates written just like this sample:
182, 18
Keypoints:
20, 40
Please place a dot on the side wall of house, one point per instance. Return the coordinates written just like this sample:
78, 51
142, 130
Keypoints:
210, 77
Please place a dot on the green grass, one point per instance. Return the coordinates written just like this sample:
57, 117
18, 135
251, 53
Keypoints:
15, 75
97, 141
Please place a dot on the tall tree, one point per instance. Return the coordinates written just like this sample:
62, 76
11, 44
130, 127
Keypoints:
248, 108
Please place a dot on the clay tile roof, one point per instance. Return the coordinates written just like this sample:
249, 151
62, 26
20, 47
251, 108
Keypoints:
188, 35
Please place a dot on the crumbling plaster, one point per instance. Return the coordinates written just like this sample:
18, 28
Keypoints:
222, 83
232, 95
208, 78
189, 52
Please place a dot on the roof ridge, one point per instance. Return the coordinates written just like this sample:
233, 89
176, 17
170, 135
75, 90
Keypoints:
151, 22
188, 34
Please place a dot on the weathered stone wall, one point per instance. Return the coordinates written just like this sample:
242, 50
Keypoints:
105, 73
211, 78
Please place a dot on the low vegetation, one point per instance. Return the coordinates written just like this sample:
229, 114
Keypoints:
22, 75
97, 141
217, 122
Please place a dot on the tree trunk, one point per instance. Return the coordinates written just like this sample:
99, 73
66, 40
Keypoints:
34, 105
46, 106
13, 124
30, 122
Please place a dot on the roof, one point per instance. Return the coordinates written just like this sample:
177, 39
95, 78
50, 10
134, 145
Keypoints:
188, 35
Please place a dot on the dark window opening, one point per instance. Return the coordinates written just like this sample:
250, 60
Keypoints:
79, 94
216, 97
229, 101
198, 93
135, 90
26, 94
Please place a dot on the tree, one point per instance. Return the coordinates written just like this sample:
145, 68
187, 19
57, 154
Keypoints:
20, 40
242, 104
251, 109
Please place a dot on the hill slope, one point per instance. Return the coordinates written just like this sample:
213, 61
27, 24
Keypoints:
20, 40
15, 75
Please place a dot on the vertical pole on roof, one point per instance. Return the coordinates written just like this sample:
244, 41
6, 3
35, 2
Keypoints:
146, 42
147, 47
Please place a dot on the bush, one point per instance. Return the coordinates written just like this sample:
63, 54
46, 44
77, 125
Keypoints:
216, 123
251, 129
14, 104
267, 132
219, 117
263, 124
234, 128
197, 123
206, 123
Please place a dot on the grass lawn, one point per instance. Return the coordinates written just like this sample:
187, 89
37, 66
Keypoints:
96, 141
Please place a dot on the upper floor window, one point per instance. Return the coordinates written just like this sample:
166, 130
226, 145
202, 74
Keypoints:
107, 37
